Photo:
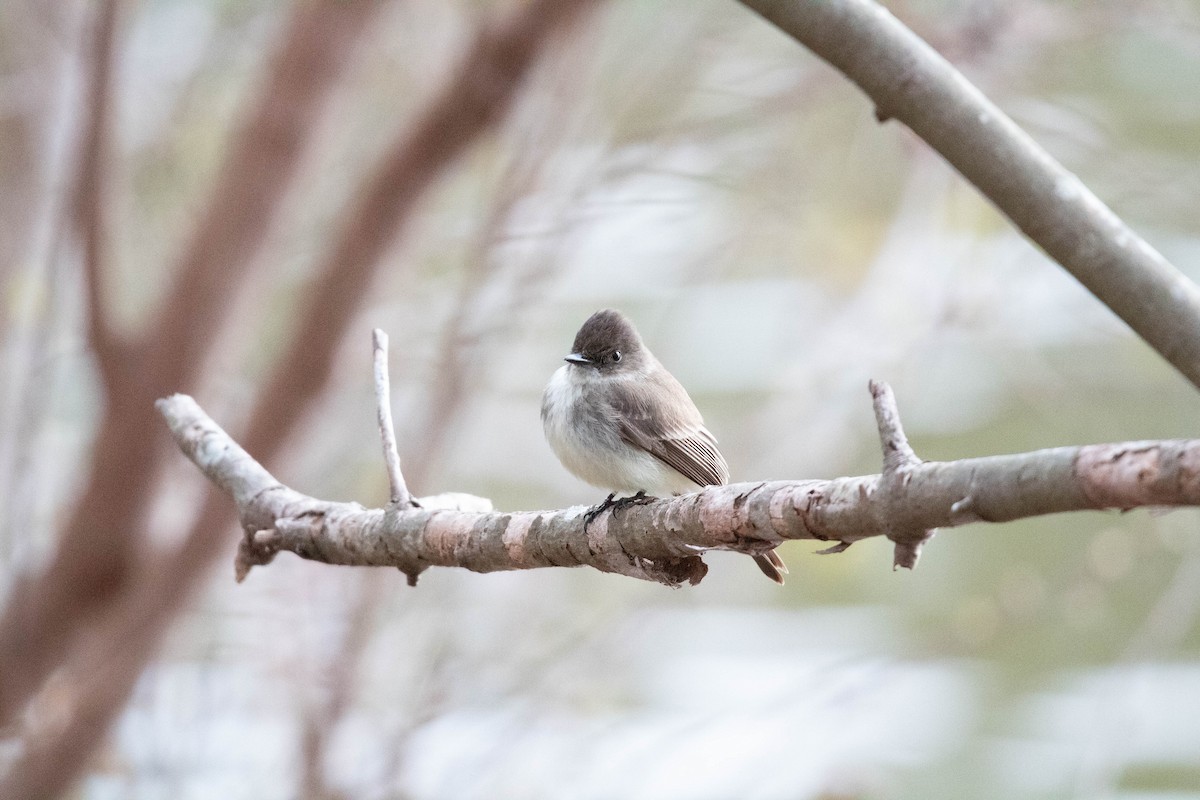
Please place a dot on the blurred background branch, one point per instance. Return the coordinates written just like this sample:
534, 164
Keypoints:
98, 552
92, 204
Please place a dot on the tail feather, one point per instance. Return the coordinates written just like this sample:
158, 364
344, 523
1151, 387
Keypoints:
772, 566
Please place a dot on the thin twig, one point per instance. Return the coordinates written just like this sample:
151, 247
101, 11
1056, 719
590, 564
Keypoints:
387, 432
898, 462
340, 679
896, 450
91, 201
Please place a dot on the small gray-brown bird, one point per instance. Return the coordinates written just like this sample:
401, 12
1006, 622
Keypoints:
618, 420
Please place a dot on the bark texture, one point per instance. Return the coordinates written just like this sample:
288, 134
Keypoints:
664, 541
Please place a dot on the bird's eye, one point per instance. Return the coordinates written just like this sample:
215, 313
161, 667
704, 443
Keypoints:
616, 356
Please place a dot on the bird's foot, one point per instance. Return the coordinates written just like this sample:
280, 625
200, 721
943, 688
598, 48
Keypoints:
639, 499
597, 510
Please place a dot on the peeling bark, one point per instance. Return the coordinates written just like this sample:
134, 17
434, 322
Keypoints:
664, 541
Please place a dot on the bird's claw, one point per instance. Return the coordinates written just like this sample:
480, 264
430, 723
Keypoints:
639, 499
597, 510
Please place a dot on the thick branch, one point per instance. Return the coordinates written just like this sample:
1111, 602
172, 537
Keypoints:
663, 541
908, 80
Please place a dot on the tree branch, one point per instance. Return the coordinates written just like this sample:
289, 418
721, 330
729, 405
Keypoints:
474, 99
663, 541
909, 81
899, 463
94, 560
89, 580
383, 411
90, 202
97, 552
264, 157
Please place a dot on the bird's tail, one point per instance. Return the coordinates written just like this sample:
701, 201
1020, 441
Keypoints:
772, 566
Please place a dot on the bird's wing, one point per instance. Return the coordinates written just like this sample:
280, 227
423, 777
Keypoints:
678, 439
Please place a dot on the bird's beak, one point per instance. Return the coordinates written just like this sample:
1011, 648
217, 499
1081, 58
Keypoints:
578, 358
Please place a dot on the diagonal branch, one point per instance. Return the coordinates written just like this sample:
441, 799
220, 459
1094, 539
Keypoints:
96, 554
474, 100
34, 636
663, 541
264, 157
909, 81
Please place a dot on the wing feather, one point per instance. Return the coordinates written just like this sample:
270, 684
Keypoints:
673, 432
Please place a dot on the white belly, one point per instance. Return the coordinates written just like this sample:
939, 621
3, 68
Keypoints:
589, 444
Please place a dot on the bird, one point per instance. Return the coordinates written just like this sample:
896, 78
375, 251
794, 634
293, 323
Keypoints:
618, 420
